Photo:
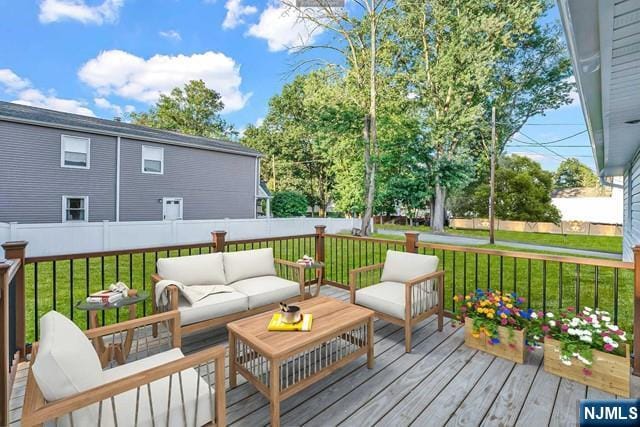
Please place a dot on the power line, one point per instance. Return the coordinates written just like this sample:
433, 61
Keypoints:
543, 146
555, 146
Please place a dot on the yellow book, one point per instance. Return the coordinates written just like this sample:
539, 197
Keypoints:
276, 323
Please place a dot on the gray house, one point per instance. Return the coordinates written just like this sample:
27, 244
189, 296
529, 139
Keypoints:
61, 167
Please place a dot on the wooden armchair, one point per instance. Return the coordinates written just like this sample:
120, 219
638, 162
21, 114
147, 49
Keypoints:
404, 290
161, 388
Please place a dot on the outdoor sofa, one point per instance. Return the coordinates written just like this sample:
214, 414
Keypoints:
252, 282
405, 290
67, 386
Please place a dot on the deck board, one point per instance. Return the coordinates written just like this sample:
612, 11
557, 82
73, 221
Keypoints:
441, 382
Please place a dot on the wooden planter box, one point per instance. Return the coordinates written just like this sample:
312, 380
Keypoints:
609, 372
503, 349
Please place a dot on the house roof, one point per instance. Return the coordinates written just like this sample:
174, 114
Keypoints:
263, 191
39, 116
604, 40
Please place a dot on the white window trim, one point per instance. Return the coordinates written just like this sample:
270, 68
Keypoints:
64, 208
161, 159
62, 152
164, 205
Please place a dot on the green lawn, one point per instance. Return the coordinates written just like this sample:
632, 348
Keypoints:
611, 244
341, 255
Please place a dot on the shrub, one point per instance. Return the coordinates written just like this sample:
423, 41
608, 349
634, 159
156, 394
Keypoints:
288, 203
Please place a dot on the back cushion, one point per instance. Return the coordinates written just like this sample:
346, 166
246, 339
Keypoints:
66, 362
402, 266
192, 270
246, 264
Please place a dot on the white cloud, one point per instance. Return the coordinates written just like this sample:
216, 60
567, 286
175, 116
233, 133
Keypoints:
259, 121
132, 77
26, 94
11, 81
235, 11
78, 10
171, 35
283, 28
533, 156
117, 110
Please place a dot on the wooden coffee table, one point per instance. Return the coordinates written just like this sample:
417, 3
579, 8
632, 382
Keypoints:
280, 364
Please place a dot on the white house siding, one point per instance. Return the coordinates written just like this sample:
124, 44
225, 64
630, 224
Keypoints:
631, 231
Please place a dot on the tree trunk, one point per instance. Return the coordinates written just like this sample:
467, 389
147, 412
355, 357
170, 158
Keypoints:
369, 178
492, 179
437, 215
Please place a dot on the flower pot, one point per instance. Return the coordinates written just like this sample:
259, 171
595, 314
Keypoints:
608, 372
511, 345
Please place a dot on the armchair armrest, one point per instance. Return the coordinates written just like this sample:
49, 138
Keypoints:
419, 296
424, 278
171, 317
37, 411
355, 274
171, 290
293, 271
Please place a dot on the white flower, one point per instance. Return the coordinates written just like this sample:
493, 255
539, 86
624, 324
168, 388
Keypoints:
586, 338
622, 337
613, 327
550, 315
607, 340
572, 331
583, 360
606, 319
565, 360
587, 309
534, 315
535, 337
552, 323
614, 344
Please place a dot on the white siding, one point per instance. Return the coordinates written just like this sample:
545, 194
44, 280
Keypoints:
631, 214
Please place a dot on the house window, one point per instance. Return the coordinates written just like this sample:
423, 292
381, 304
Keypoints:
75, 152
75, 208
152, 160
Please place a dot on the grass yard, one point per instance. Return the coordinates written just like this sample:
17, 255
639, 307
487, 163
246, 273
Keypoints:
611, 244
558, 287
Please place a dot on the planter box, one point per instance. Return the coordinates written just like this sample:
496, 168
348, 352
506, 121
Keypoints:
609, 372
515, 353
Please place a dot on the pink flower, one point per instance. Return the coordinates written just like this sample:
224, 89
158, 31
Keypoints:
608, 347
586, 372
545, 328
503, 321
570, 309
540, 315
564, 328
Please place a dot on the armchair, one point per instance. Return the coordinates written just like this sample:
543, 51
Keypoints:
405, 290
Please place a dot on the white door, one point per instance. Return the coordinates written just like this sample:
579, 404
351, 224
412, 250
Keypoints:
171, 208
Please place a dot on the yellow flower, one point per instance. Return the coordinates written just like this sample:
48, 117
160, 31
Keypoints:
467, 297
504, 316
469, 304
475, 335
455, 298
509, 305
490, 315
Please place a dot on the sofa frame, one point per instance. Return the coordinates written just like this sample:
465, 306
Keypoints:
36, 411
285, 269
410, 319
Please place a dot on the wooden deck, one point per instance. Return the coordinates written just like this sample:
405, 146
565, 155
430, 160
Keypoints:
442, 382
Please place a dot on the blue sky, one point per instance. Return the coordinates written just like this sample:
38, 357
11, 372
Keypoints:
108, 57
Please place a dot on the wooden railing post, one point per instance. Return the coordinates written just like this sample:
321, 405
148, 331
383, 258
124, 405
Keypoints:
411, 241
218, 240
320, 230
636, 310
5, 391
16, 250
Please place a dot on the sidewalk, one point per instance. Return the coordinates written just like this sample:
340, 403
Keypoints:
451, 239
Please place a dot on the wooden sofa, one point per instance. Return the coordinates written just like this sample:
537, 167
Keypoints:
406, 289
67, 386
258, 283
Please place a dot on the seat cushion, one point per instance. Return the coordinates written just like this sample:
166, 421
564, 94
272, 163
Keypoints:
206, 269
125, 403
403, 266
266, 290
246, 264
66, 362
386, 297
215, 305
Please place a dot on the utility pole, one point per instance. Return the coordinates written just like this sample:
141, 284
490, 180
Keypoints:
492, 184
273, 169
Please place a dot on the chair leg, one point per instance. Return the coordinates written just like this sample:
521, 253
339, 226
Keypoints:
440, 320
407, 336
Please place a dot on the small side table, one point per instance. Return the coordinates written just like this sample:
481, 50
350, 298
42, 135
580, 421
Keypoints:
319, 268
119, 350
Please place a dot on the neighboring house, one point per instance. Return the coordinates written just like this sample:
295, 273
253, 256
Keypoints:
601, 205
604, 41
60, 167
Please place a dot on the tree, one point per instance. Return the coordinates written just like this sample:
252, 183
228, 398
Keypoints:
523, 193
451, 46
194, 110
286, 204
571, 174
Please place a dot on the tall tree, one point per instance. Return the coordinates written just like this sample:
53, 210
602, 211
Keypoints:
194, 110
360, 39
452, 46
571, 174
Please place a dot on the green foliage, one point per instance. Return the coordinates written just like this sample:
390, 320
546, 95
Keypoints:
523, 193
571, 174
194, 110
286, 204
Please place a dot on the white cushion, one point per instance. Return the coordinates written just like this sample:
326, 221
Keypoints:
206, 269
126, 402
213, 306
246, 264
389, 298
403, 266
66, 362
266, 290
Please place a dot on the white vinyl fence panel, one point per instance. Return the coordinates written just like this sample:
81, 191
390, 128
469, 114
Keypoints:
67, 238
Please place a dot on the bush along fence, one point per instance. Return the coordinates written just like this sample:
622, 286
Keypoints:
40, 284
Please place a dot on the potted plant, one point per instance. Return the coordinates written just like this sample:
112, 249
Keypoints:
585, 347
495, 323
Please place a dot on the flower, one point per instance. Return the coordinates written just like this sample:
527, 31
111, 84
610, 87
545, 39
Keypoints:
608, 347
550, 315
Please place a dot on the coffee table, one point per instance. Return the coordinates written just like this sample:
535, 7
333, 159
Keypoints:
280, 364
